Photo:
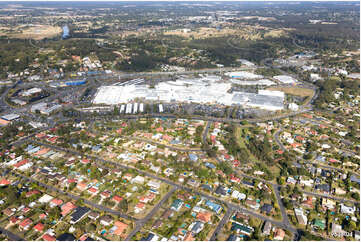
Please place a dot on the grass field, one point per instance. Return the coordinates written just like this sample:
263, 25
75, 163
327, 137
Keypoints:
296, 91
246, 32
241, 144
36, 32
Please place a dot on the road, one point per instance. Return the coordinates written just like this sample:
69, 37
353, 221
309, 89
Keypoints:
11, 235
141, 222
206, 118
221, 224
277, 139
285, 219
205, 132
331, 197
75, 197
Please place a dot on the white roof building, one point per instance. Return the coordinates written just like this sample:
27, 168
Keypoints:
347, 210
285, 79
138, 179
243, 74
45, 198
205, 90
293, 106
301, 218
11, 117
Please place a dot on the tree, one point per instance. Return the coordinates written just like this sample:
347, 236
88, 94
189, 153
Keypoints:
79, 202
92, 227
54, 214
355, 196
123, 205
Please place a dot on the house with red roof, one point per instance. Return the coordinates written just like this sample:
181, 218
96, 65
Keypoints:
308, 202
42, 216
219, 172
32, 192
42, 151
21, 163
118, 228
128, 176
67, 208
213, 139
234, 179
279, 234
85, 161
148, 198
105, 194
39, 227
25, 210
148, 135
56, 202
236, 163
14, 220
119, 131
93, 190
4, 182
280, 152
204, 216
25, 224
167, 138
139, 207
48, 237
117, 198
300, 138
81, 186
53, 139
8, 212
160, 129
40, 135
306, 115
70, 181
295, 145
334, 160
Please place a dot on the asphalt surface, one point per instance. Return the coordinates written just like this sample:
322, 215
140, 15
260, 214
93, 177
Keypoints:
221, 224
11, 235
141, 222
285, 219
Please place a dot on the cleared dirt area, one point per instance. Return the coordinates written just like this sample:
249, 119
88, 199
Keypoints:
295, 91
246, 32
36, 32
275, 33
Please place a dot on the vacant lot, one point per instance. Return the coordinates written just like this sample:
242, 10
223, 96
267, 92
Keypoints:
295, 91
36, 32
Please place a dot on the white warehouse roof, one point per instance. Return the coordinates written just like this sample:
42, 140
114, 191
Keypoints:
199, 90
285, 79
